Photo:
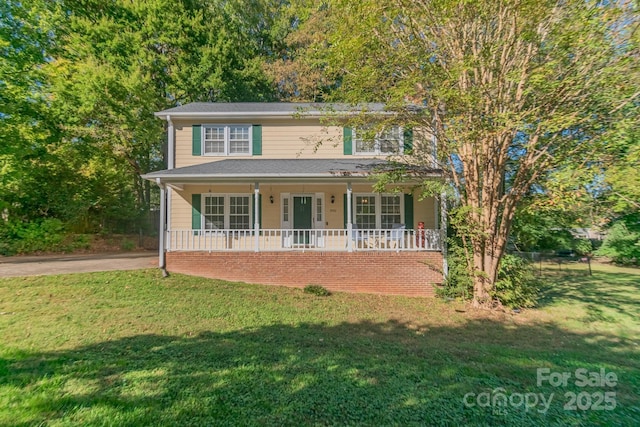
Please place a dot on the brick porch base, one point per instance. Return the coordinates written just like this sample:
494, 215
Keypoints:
403, 273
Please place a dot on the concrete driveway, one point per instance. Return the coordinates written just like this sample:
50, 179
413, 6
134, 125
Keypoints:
63, 264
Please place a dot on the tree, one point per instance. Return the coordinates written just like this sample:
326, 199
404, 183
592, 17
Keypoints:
511, 89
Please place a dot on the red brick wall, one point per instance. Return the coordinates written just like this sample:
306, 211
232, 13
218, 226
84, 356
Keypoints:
403, 273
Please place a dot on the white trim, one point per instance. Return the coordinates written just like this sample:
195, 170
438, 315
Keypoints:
313, 114
171, 144
319, 223
227, 139
288, 224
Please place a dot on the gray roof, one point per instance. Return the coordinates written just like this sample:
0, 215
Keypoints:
266, 109
250, 170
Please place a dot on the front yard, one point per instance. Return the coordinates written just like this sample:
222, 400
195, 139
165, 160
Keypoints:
132, 348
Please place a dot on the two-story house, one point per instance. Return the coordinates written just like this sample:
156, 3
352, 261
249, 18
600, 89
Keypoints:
269, 193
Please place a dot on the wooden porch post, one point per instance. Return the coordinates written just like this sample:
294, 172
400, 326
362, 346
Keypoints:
349, 214
443, 234
256, 213
163, 207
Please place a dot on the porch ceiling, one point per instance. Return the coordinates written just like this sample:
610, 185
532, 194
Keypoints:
265, 170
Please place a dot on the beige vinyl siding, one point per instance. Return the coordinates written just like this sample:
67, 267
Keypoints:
424, 210
281, 139
299, 139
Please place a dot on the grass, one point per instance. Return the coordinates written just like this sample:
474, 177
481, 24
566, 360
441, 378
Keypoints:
133, 348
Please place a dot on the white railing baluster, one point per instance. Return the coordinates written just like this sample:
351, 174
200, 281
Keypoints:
391, 240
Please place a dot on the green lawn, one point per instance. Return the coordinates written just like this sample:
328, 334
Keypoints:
132, 348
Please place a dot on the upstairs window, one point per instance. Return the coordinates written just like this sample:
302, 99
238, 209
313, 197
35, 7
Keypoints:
389, 141
226, 140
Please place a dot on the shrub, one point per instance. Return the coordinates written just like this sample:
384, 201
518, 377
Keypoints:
516, 285
582, 247
458, 283
622, 243
317, 290
127, 245
47, 235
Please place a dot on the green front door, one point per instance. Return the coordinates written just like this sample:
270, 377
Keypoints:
302, 219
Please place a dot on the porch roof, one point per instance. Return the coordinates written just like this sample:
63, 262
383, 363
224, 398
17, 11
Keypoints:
250, 170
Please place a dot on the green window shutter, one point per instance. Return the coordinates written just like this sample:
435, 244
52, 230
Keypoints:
347, 139
344, 209
196, 217
408, 211
408, 140
196, 139
257, 140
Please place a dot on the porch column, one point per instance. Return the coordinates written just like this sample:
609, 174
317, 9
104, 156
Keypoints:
163, 206
256, 213
443, 234
349, 214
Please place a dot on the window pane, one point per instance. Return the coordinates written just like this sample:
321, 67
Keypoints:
318, 208
366, 212
239, 218
389, 141
213, 212
390, 211
285, 209
214, 140
239, 140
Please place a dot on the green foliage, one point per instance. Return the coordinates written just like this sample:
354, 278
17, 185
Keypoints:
47, 235
127, 245
582, 247
622, 243
317, 290
517, 285
458, 283
81, 81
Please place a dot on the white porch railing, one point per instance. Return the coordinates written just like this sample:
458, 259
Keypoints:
272, 240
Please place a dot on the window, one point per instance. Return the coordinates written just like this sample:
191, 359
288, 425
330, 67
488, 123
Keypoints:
378, 210
213, 212
214, 140
389, 141
226, 140
239, 218
389, 211
227, 212
285, 209
366, 212
319, 209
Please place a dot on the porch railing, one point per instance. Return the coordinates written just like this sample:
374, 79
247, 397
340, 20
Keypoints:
272, 240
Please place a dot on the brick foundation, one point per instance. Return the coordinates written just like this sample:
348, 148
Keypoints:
403, 273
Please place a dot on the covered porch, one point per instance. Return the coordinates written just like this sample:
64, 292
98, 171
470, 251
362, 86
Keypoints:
279, 205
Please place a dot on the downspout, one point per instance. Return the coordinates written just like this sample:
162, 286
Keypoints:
171, 154
161, 236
